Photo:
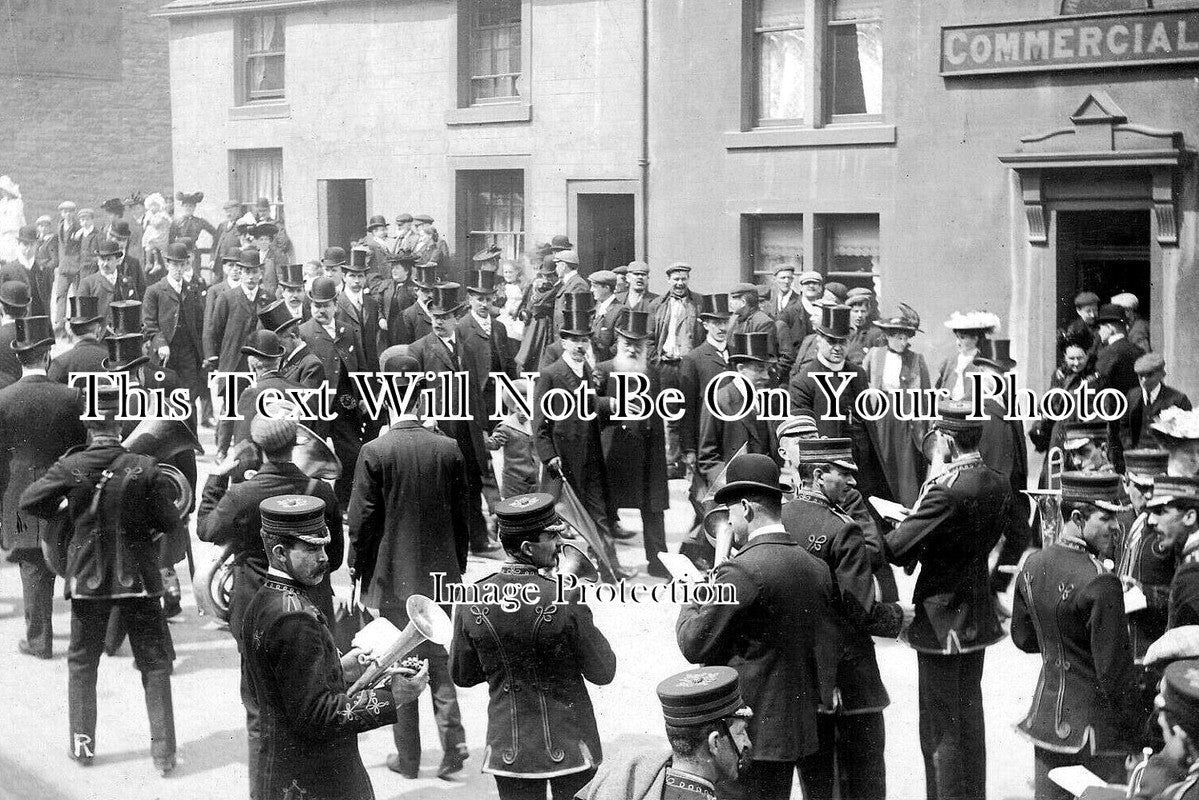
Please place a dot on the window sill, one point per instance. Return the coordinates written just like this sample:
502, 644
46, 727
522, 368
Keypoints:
832, 136
489, 113
276, 109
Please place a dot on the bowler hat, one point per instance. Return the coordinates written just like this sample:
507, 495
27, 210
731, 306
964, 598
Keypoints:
120, 230
264, 344
482, 282
177, 251
634, 325
84, 310
576, 322
323, 290
715, 306
425, 276
113, 206
291, 275
1113, 313
749, 473
295, 516
193, 199
231, 254
31, 333
27, 234
124, 352
488, 253
15, 294
701, 696
752, 346
125, 316
447, 298
333, 257
250, 258
276, 317
359, 259
377, 221
561, 242
834, 322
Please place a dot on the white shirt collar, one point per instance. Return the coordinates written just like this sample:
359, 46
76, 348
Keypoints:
278, 573
178, 287
765, 529
449, 343
831, 365
602, 307
484, 320
251, 296
576, 368
721, 346
1115, 337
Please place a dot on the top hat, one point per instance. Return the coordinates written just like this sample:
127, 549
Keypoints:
120, 230
1113, 313
15, 294
125, 317
333, 257
447, 298
482, 282
753, 346
634, 325
359, 259
1098, 488
84, 310
999, 355
834, 322
560, 243
323, 290
113, 206
699, 696
295, 516
291, 275
31, 333
905, 320
488, 253
177, 251
377, 221
715, 306
749, 473
264, 344
250, 258
425, 276
276, 317
954, 415
125, 352
576, 321
578, 301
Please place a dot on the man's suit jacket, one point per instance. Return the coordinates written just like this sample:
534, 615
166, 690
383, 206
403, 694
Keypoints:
88, 243
415, 324
779, 636
339, 356
699, 368
719, 441
576, 441
488, 352
364, 323
690, 333
68, 248
408, 514
9, 364
1132, 430
574, 284
643, 304
96, 285
304, 367
603, 331
770, 305
234, 317
433, 356
39, 421
164, 311
41, 287
15, 271
88, 355
757, 322
1114, 363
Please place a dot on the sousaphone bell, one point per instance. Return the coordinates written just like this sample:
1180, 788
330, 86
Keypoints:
164, 439
573, 561
718, 529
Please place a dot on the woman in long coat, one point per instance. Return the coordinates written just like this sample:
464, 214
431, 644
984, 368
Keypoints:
897, 369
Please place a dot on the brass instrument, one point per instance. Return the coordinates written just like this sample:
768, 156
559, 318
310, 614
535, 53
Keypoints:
719, 531
164, 439
1047, 502
426, 622
314, 456
213, 585
573, 561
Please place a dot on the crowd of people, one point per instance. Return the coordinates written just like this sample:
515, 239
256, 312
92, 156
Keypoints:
805, 515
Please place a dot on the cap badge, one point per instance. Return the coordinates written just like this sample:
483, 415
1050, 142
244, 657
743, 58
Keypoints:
522, 502
698, 679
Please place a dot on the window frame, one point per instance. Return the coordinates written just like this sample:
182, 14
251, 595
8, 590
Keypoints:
817, 238
470, 182
498, 110
242, 31
473, 27
829, 73
240, 156
756, 34
751, 237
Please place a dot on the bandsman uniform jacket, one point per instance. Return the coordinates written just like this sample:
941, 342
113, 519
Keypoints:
1184, 589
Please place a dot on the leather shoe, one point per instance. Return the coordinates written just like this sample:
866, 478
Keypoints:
393, 764
618, 532
24, 647
452, 763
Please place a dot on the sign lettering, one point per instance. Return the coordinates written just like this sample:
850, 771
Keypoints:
72, 38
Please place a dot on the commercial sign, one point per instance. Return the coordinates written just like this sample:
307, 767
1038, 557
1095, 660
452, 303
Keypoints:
72, 38
1080, 42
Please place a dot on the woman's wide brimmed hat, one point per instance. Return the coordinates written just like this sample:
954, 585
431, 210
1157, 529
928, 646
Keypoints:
904, 320
972, 321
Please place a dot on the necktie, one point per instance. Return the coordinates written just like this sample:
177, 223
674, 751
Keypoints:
449, 345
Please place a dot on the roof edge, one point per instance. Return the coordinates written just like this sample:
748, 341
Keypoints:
185, 8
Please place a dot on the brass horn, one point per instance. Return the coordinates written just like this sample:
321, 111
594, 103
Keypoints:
163, 439
314, 456
573, 561
426, 622
213, 585
718, 528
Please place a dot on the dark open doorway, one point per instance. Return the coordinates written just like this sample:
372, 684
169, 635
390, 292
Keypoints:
606, 230
1105, 252
345, 212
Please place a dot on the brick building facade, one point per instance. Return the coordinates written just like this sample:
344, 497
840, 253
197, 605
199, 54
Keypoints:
86, 109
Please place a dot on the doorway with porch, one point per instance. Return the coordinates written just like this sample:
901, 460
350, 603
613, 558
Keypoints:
1105, 252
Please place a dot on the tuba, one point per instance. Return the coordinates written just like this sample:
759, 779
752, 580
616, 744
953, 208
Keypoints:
1047, 502
164, 439
426, 622
573, 561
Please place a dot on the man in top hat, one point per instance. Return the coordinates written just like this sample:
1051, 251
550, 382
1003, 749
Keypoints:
851, 732
700, 367
234, 316
1138, 326
777, 633
85, 328
635, 450
608, 312
749, 318
638, 296
264, 352
1117, 357
1174, 512
187, 225
20, 268
118, 502
39, 421
572, 448
486, 339
1084, 329
442, 350
540, 723
1150, 398
334, 343
706, 722
396, 294
230, 517
226, 237
296, 676
1069, 608
173, 318
719, 440
14, 304
299, 364
291, 288
415, 321
676, 330
1141, 559
379, 247
358, 306
961, 515
566, 266
574, 302
1173, 772
407, 520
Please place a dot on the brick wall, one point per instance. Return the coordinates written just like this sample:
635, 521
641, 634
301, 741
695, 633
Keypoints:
88, 139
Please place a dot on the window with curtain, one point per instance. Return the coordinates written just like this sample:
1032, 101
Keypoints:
494, 50
255, 174
852, 250
773, 241
495, 211
854, 58
262, 44
781, 50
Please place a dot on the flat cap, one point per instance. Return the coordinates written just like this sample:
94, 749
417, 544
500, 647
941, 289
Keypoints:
1098, 488
742, 288
273, 434
1113, 313
954, 415
699, 696
784, 266
1086, 299
526, 513
1149, 364
402, 218
422, 218
835, 451
1173, 488
1127, 300
567, 257
67, 205
295, 516
638, 268
678, 266
801, 425
621, 270
858, 295
810, 277
604, 276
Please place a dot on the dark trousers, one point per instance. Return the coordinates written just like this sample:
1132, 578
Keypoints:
668, 375
592, 488
653, 531
769, 780
564, 787
346, 432
849, 764
1108, 766
151, 643
253, 732
952, 732
37, 591
445, 704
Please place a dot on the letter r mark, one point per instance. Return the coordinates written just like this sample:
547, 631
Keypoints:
83, 743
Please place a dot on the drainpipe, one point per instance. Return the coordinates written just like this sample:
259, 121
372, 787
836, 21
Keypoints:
644, 162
